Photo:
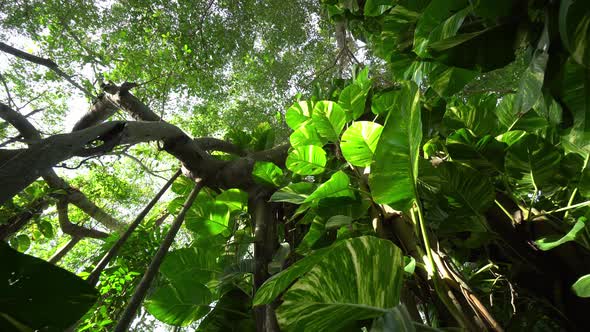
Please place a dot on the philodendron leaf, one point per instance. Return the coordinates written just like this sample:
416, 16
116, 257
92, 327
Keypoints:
306, 134
235, 199
295, 193
360, 279
306, 160
329, 119
197, 264
231, 313
548, 243
359, 142
337, 186
297, 114
397, 319
266, 172
574, 28
582, 286
395, 166
39, 296
211, 217
179, 302
276, 284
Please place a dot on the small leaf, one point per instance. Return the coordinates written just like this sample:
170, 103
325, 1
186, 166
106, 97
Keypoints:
359, 142
582, 286
306, 160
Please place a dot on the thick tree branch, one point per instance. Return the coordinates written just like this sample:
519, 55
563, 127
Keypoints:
72, 229
74, 196
64, 250
43, 62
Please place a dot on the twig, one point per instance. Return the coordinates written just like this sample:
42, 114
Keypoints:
10, 100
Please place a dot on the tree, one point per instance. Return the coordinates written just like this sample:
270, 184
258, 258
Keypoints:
452, 170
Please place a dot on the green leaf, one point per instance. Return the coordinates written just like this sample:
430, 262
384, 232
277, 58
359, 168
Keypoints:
297, 114
338, 221
329, 119
548, 243
529, 89
576, 96
376, 7
235, 199
306, 134
384, 102
306, 160
395, 166
46, 229
187, 263
440, 20
23, 242
266, 172
337, 186
397, 319
485, 154
295, 193
582, 286
359, 142
574, 29
37, 295
208, 217
180, 302
533, 163
231, 313
360, 279
353, 99
182, 185
276, 284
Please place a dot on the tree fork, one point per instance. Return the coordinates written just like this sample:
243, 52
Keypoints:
152, 270
95, 274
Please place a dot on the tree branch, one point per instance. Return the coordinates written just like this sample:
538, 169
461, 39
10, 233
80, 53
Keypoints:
152, 270
43, 62
72, 229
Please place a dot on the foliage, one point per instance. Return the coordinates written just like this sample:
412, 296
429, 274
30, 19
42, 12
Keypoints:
453, 169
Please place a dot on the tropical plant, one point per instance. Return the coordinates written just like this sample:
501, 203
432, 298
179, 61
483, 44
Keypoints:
441, 182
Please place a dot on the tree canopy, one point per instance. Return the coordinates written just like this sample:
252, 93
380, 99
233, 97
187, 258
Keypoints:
341, 165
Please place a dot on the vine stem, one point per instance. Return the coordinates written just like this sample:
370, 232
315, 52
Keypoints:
431, 271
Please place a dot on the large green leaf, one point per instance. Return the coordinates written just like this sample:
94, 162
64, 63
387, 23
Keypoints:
295, 193
395, 166
306, 160
440, 20
397, 319
529, 89
190, 263
582, 286
276, 284
208, 217
533, 163
329, 119
297, 114
359, 142
576, 97
179, 302
574, 28
39, 296
485, 154
360, 279
266, 172
353, 99
306, 134
337, 186
548, 243
235, 199
463, 194
232, 313
377, 7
